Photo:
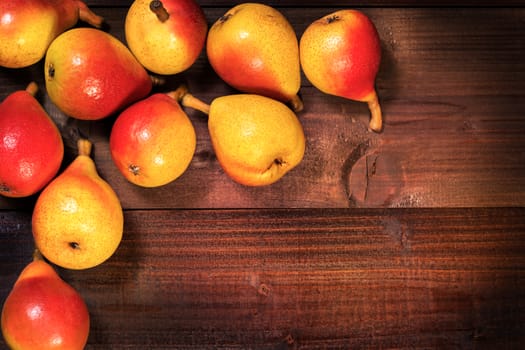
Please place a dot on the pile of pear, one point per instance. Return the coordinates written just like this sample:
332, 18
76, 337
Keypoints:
256, 134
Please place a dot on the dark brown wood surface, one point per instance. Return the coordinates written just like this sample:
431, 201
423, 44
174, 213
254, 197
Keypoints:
302, 279
412, 238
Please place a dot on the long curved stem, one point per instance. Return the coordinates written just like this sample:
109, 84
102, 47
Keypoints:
376, 118
182, 95
88, 16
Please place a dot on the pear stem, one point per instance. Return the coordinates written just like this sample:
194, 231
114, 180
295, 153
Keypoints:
88, 16
37, 255
376, 119
188, 100
296, 103
32, 88
158, 8
84, 147
157, 81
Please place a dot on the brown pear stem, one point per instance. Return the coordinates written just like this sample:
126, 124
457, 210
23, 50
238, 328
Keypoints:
84, 147
376, 119
158, 8
88, 16
32, 88
37, 255
188, 100
156, 81
296, 103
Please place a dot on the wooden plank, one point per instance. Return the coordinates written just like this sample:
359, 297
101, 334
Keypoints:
267, 279
451, 84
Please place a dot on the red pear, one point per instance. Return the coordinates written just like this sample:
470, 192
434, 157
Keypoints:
153, 141
43, 312
31, 147
90, 74
340, 55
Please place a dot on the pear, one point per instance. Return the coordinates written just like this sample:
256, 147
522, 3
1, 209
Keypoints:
152, 142
27, 27
77, 219
31, 149
254, 48
166, 36
256, 139
340, 55
90, 74
43, 312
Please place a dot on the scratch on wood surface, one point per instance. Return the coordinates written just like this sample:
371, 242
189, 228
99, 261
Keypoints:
357, 153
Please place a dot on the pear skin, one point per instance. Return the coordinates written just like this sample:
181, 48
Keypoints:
340, 55
77, 219
166, 36
254, 48
256, 139
152, 142
28, 27
32, 149
43, 312
90, 74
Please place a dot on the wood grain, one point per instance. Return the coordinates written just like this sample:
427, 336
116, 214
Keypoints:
277, 279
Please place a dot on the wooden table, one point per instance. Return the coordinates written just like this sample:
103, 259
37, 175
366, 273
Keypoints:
412, 238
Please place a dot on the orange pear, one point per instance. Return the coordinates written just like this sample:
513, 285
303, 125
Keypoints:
31, 149
90, 74
152, 142
254, 48
77, 219
43, 312
256, 139
27, 27
166, 36
340, 55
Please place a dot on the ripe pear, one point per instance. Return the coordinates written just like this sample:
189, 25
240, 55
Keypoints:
43, 312
90, 74
152, 142
166, 36
27, 27
340, 55
31, 147
254, 48
77, 219
256, 139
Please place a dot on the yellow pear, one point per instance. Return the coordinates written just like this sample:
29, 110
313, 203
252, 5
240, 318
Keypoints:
78, 220
27, 27
166, 36
254, 48
256, 139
